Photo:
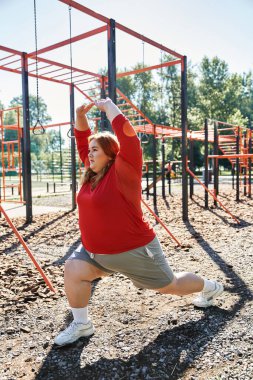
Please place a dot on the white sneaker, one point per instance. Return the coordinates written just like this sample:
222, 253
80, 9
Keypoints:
205, 299
73, 332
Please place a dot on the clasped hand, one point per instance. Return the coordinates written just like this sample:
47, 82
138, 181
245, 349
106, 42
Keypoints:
101, 104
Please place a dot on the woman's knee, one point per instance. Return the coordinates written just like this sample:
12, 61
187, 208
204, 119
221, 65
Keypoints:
71, 270
80, 270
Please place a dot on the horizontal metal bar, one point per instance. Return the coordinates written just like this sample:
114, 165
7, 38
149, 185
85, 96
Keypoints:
69, 41
86, 10
9, 50
41, 68
231, 156
85, 81
166, 64
9, 63
147, 40
34, 75
52, 71
83, 93
66, 67
8, 56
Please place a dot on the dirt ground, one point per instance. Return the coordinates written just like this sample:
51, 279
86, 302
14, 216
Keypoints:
140, 334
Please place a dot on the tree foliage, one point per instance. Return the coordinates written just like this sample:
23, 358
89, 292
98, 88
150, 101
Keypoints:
39, 113
213, 92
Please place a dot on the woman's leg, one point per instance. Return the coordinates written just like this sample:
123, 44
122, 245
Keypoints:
183, 283
78, 275
188, 283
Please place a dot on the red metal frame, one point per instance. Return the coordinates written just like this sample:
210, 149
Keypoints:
212, 194
28, 251
10, 155
69, 41
71, 71
165, 64
162, 224
80, 37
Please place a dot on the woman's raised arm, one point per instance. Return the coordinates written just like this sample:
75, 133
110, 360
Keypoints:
130, 147
82, 132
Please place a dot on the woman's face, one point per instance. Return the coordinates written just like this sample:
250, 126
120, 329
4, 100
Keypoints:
97, 157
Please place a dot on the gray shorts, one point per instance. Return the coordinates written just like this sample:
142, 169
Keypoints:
146, 266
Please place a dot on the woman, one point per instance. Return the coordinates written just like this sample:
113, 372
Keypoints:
115, 237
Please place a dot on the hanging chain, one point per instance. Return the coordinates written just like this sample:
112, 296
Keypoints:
70, 45
38, 128
36, 56
69, 133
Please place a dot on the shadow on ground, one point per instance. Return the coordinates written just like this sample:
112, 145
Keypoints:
170, 354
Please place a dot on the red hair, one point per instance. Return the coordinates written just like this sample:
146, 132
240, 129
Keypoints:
110, 145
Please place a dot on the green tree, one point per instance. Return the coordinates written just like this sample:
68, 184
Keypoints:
37, 141
42, 144
220, 93
35, 114
145, 96
246, 106
127, 85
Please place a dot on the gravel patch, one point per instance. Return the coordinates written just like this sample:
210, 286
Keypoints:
140, 334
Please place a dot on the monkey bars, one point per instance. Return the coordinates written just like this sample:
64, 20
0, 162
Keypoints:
82, 80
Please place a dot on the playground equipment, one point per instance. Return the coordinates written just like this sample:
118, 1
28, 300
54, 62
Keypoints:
28, 251
79, 79
236, 146
83, 81
11, 155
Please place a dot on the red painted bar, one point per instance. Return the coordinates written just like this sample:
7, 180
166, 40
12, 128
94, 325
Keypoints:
147, 40
9, 50
86, 10
68, 41
166, 64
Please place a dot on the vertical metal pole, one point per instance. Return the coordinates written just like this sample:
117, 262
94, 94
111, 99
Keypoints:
112, 61
27, 142
154, 167
215, 162
53, 165
238, 165
233, 176
250, 161
245, 167
191, 165
73, 146
147, 179
169, 179
163, 167
23, 164
184, 137
103, 123
206, 162
60, 153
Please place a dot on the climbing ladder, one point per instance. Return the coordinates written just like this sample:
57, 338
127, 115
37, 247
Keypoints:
11, 159
237, 148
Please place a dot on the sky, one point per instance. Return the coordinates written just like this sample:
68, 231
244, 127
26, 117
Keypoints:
195, 28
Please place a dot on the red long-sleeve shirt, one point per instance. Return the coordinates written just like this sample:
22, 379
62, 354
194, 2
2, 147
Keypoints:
110, 216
